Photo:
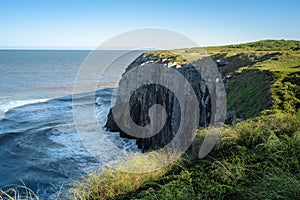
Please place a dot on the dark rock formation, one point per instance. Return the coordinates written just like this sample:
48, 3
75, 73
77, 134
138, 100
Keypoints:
221, 63
147, 95
232, 117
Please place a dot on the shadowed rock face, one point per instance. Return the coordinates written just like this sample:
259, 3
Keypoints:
147, 95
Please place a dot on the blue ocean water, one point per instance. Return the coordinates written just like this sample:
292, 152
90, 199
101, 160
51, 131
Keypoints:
39, 145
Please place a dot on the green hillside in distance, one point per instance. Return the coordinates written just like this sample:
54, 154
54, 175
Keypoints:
261, 75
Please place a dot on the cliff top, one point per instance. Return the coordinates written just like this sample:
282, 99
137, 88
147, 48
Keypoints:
254, 72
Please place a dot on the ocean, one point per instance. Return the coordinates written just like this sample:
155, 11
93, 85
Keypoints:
39, 144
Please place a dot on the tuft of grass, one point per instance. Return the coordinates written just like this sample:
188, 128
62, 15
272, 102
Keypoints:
110, 183
286, 92
273, 185
17, 192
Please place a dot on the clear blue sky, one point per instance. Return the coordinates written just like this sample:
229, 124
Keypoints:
87, 23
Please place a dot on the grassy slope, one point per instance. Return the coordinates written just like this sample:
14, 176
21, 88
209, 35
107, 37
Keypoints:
254, 159
257, 73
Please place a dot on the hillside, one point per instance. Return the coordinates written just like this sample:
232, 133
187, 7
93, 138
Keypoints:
260, 75
256, 157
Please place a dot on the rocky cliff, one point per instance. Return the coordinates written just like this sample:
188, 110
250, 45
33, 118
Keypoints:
147, 95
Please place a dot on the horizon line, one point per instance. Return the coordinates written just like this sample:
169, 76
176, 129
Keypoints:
93, 48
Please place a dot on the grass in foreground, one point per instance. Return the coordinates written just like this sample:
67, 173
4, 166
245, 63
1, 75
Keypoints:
126, 177
254, 159
17, 192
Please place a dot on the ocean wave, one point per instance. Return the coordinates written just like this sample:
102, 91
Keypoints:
5, 107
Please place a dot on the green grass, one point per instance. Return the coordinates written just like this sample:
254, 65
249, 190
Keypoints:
254, 159
127, 177
261, 75
249, 92
166, 56
17, 192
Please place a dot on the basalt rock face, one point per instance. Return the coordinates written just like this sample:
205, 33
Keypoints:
147, 95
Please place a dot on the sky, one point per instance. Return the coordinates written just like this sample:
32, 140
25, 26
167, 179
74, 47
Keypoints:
85, 24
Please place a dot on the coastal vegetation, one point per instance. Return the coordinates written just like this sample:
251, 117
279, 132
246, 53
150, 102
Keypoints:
256, 157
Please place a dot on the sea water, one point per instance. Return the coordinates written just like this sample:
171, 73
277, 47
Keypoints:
39, 144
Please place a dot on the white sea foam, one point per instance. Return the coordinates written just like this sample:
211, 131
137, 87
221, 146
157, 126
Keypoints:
6, 106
